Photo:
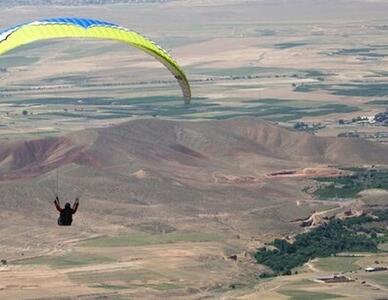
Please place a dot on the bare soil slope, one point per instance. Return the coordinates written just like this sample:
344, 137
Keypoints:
178, 147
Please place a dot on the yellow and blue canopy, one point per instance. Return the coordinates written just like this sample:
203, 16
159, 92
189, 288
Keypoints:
59, 28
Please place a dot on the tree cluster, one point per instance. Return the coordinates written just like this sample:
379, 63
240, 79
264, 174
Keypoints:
327, 240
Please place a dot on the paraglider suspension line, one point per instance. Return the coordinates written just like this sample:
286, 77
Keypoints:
57, 182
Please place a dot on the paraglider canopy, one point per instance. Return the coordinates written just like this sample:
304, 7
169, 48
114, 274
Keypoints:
87, 28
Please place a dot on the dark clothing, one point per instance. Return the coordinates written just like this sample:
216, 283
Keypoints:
66, 214
66, 217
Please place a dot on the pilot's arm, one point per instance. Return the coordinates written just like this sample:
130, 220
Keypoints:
57, 205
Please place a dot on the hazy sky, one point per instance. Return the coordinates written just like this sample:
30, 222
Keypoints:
187, 13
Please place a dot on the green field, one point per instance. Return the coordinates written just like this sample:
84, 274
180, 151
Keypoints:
12, 61
364, 52
159, 287
378, 102
269, 109
381, 279
111, 286
305, 295
348, 89
96, 101
124, 279
337, 264
143, 239
124, 276
105, 108
66, 261
288, 45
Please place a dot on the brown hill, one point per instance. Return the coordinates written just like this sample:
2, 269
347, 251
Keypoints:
177, 147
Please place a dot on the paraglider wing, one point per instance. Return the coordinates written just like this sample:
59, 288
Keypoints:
87, 28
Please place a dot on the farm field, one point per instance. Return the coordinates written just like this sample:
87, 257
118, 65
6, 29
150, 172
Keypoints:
286, 131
